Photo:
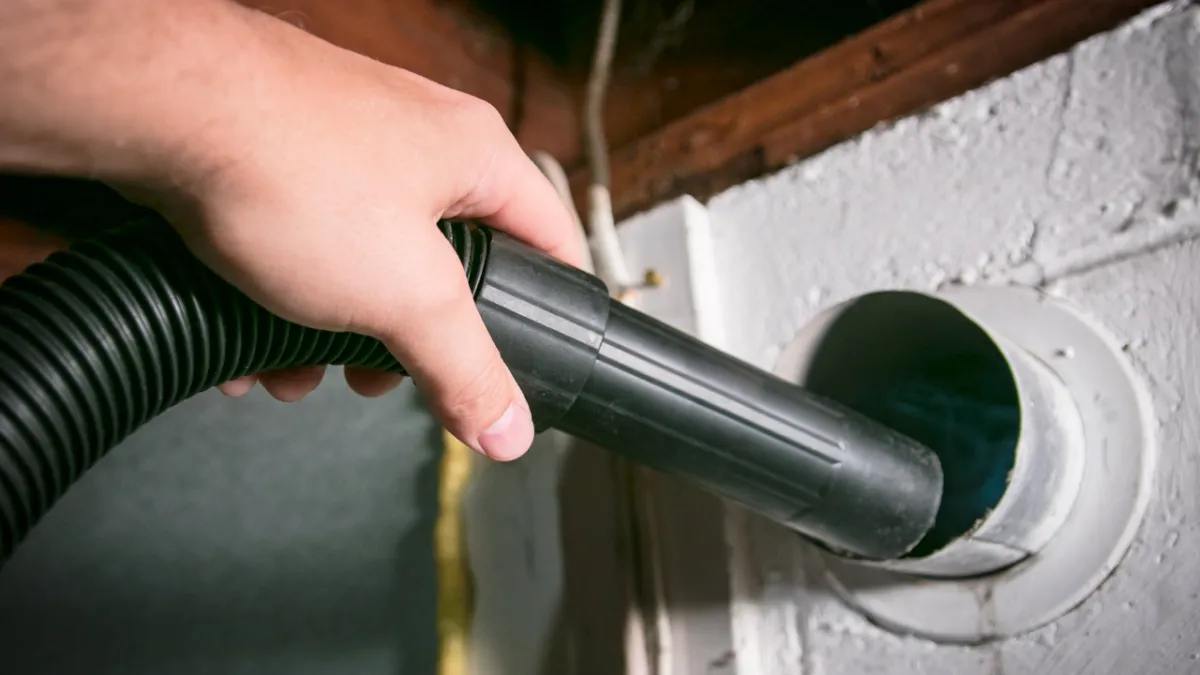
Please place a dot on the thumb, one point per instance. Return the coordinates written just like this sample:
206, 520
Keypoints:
443, 344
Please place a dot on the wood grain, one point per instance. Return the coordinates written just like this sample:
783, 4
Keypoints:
21, 246
716, 49
451, 42
918, 58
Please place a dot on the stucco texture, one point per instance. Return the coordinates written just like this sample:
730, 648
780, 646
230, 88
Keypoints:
1081, 176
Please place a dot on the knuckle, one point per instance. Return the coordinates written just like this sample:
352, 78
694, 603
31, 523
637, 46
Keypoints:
477, 115
480, 398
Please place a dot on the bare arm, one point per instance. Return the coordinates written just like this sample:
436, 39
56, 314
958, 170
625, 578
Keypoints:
130, 91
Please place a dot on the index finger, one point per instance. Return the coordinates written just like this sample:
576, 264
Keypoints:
515, 197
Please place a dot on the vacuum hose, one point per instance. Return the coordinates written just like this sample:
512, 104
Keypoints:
101, 338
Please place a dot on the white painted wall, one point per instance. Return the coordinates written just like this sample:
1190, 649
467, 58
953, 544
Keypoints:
1080, 175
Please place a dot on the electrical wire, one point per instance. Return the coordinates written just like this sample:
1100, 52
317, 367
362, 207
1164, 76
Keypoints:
645, 635
453, 568
554, 172
606, 247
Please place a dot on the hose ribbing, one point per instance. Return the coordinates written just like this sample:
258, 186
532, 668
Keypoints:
101, 338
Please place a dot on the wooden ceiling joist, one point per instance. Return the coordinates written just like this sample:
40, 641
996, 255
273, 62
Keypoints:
918, 58
455, 43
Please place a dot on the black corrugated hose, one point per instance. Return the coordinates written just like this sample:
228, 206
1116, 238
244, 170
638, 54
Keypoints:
101, 338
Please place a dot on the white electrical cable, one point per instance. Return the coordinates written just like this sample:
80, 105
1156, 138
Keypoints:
647, 638
557, 176
606, 246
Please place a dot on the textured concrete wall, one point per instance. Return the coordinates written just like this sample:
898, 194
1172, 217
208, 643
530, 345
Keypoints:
239, 536
1080, 175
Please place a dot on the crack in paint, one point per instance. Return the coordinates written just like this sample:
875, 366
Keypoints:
1084, 265
1060, 119
1134, 218
1027, 251
1040, 275
1182, 68
1182, 65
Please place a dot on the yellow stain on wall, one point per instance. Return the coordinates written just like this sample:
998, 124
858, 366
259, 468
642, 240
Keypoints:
450, 551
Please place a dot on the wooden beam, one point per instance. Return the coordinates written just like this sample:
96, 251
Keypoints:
938, 50
21, 246
451, 42
715, 49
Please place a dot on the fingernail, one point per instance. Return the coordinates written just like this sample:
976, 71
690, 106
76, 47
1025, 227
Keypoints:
238, 387
510, 436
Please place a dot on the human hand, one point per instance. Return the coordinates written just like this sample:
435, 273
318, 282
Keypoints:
320, 202
310, 177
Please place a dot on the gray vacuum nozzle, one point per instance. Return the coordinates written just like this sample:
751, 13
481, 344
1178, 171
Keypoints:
637, 387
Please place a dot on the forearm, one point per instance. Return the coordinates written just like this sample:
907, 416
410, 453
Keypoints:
137, 92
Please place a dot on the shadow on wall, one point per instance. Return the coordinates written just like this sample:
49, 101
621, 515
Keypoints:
589, 635
601, 588
547, 563
240, 536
